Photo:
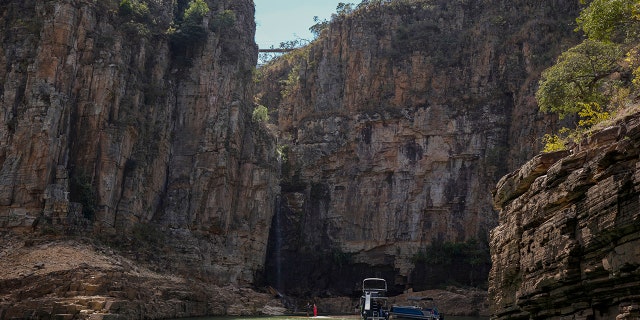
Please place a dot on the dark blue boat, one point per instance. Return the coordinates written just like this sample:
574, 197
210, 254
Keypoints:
420, 309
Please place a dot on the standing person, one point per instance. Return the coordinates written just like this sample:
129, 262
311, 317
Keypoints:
308, 308
315, 310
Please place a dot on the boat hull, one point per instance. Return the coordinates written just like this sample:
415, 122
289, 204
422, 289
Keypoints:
413, 313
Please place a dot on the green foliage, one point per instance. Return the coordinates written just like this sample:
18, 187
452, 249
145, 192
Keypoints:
197, 10
283, 152
224, 20
292, 81
189, 30
136, 29
292, 44
344, 8
633, 61
591, 114
597, 77
138, 18
134, 8
580, 76
260, 114
319, 26
605, 20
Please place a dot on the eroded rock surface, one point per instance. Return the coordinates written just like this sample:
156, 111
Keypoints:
77, 279
134, 126
396, 125
568, 242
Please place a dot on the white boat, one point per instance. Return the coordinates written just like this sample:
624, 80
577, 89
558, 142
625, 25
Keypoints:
373, 303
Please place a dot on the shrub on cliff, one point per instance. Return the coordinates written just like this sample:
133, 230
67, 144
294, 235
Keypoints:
189, 29
138, 18
134, 9
260, 114
223, 20
196, 11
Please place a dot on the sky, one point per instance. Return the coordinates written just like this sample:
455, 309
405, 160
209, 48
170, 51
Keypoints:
285, 20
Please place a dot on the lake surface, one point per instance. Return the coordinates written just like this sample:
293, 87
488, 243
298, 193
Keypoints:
345, 317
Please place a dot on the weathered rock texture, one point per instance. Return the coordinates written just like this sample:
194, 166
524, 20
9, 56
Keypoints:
111, 127
78, 279
568, 243
396, 124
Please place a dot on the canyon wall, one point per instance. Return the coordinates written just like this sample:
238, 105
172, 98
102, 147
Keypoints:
121, 121
568, 242
394, 126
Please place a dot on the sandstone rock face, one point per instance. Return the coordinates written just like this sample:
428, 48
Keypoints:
396, 124
568, 241
112, 126
77, 279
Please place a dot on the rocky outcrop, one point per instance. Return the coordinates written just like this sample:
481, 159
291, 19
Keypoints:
568, 242
79, 279
395, 125
123, 121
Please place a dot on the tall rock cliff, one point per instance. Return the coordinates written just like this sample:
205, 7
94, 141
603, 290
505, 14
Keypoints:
568, 243
395, 124
125, 121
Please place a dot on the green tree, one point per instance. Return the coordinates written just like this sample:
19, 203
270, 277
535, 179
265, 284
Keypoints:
596, 77
197, 10
607, 20
319, 25
582, 75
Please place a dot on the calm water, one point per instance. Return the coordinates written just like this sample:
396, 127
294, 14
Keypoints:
354, 317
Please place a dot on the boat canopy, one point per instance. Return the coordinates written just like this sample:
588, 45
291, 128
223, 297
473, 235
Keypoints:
374, 284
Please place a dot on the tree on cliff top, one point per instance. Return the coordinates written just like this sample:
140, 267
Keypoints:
580, 77
610, 20
593, 79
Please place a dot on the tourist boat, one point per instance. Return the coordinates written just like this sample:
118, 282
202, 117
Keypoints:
420, 308
373, 303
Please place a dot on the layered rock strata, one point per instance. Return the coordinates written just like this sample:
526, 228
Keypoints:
568, 242
78, 279
395, 125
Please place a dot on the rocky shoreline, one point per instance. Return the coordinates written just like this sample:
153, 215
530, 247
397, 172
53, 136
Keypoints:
54, 277
78, 279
